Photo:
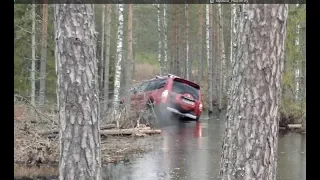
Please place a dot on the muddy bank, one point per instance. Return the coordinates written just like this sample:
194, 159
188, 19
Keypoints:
113, 150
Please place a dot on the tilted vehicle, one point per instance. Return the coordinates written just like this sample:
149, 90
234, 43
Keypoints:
169, 94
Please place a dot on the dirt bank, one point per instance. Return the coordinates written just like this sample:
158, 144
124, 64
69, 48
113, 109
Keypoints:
114, 149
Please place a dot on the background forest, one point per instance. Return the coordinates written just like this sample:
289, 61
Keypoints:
178, 39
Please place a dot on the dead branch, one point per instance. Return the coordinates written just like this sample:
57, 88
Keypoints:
129, 131
35, 109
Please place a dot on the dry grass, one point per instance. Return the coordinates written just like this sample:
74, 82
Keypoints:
31, 149
145, 71
43, 171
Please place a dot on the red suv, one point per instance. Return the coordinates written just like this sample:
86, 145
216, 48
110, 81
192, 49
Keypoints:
169, 93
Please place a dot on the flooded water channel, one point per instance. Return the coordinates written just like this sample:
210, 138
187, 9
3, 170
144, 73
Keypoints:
192, 150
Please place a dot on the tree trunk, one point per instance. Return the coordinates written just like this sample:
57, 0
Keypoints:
200, 65
177, 63
119, 60
129, 64
209, 61
187, 70
78, 92
165, 42
297, 62
33, 55
43, 64
102, 49
159, 41
217, 60
250, 141
234, 39
214, 50
107, 58
222, 56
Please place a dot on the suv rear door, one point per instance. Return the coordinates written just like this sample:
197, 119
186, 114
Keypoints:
140, 93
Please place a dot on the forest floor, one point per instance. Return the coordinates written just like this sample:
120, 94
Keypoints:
36, 156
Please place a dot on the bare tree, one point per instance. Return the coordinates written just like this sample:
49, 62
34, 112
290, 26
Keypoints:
209, 60
200, 65
78, 92
222, 59
43, 63
159, 41
249, 148
187, 70
33, 55
165, 41
119, 60
297, 63
102, 48
107, 58
129, 63
176, 43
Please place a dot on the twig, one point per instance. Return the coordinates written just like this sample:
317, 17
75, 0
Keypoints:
26, 100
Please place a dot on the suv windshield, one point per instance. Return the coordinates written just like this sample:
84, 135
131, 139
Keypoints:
182, 88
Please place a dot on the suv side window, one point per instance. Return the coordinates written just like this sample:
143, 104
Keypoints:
152, 85
161, 83
142, 87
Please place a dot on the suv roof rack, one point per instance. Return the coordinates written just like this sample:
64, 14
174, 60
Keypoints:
172, 75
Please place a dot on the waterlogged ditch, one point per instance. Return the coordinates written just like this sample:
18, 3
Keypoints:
188, 151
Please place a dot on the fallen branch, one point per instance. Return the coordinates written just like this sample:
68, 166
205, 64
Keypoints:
109, 131
294, 126
107, 126
56, 131
129, 131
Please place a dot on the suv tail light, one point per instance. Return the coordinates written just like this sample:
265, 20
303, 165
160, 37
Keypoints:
164, 96
200, 106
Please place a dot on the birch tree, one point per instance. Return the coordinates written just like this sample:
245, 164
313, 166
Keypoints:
119, 60
200, 65
33, 55
249, 148
165, 41
78, 92
43, 63
159, 41
209, 61
102, 47
297, 64
107, 57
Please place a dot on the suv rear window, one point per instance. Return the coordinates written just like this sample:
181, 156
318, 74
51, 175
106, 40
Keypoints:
181, 88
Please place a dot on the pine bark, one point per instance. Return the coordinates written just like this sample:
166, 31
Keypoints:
43, 63
33, 55
107, 57
249, 148
78, 92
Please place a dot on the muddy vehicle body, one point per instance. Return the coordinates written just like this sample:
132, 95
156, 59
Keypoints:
169, 94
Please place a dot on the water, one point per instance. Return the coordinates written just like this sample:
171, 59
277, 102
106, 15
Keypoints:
192, 150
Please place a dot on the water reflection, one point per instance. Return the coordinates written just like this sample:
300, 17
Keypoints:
192, 151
